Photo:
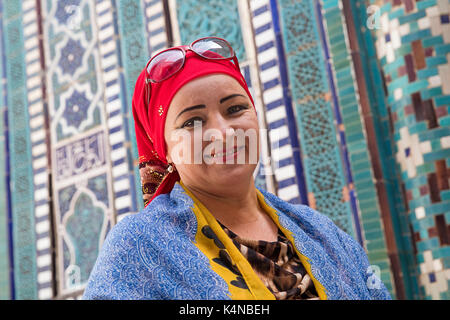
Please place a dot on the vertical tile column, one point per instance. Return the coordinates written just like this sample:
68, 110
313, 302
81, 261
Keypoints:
282, 129
81, 94
413, 46
5, 254
155, 23
133, 54
21, 154
39, 148
123, 182
311, 99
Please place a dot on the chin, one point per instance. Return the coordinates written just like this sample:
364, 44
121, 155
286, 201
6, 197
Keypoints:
230, 173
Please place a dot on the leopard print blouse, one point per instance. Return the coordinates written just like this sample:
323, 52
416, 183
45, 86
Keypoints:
277, 265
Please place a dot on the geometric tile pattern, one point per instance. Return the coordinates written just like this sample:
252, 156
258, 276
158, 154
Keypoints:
324, 173
69, 157
154, 15
413, 46
39, 147
5, 262
22, 196
82, 163
285, 157
199, 18
355, 142
122, 179
133, 53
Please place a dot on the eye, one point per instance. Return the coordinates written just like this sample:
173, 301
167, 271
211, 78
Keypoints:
192, 122
237, 108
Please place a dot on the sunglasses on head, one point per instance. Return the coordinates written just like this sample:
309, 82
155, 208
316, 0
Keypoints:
168, 62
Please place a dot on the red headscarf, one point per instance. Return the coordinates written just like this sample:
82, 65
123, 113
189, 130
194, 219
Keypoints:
149, 123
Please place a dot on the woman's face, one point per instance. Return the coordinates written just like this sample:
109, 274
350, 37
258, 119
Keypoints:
212, 133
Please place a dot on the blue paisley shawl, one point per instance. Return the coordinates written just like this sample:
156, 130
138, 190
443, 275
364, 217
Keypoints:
173, 248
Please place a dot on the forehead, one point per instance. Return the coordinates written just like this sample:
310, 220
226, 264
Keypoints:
208, 87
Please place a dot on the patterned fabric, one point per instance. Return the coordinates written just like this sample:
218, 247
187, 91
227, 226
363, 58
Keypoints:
172, 250
277, 265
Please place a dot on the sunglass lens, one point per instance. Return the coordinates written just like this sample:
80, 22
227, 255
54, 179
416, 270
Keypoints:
165, 65
213, 48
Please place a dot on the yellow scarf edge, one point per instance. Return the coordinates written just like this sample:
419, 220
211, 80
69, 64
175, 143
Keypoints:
321, 291
254, 283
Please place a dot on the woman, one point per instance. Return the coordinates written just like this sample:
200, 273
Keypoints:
207, 232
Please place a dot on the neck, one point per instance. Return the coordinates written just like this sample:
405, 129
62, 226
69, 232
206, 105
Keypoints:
238, 206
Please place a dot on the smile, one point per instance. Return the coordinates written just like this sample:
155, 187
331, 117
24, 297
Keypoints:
225, 153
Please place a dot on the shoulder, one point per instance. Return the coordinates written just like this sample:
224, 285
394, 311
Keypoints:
309, 219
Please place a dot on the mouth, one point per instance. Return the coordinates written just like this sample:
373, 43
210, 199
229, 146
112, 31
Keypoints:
225, 153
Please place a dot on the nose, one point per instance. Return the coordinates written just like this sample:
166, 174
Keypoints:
221, 126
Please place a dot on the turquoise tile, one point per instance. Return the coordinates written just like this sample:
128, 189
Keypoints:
418, 127
349, 90
398, 62
355, 137
385, 8
372, 225
419, 202
370, 210
328, 4
396, 14
434, 61
411, 17
427, 72
369, 194
442, 49
444, 121
434, 133
445, 195
428, 244
343, 73
432, 41
413, 26
438, 208
442, 252
415, 182
430, 93
425, 169
417, 35
416, 86
400, 82
403, 50
425, 4
436, 155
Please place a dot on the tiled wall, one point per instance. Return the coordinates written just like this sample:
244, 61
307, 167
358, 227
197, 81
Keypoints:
352, 132
5, 289
338, 141
413, 47
22, 213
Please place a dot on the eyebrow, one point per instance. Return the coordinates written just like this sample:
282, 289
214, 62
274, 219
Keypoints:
199, 106
202, 106
231, 96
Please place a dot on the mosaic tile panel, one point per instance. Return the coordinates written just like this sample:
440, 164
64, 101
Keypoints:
20, 154
285, 159
80, 136
356, 142
311, 97
413, 47
134, 54
380, 111
202, 18
5, 285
